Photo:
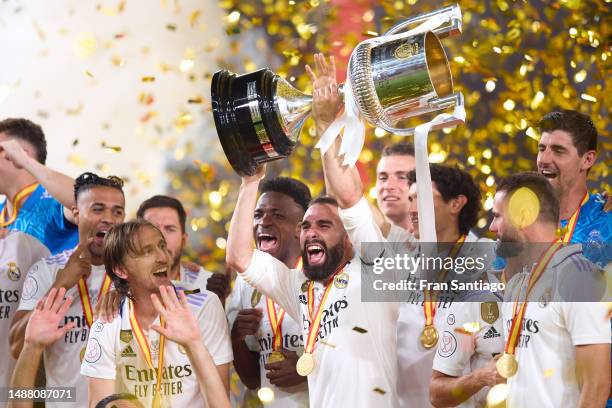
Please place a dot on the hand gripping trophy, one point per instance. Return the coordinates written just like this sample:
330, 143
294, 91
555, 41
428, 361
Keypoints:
393, 77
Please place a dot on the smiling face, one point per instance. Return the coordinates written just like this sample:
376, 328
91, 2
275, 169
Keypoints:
392, 186
274, 225
149, 267
324, 241
97, 210
558, 160
442, 209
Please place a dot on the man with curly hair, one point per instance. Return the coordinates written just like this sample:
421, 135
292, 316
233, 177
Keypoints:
99, 206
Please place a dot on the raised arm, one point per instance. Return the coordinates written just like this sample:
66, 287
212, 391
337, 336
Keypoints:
59, 185
240, 238
182, 328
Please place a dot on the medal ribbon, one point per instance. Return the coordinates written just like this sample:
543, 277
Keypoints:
145, 348
18, 201
276, 315
315, 322
516, 327
429, 303
86, 300
571, 223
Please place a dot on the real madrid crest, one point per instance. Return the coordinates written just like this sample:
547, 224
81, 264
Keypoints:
545, 298
14, 273
255, 298
341, 280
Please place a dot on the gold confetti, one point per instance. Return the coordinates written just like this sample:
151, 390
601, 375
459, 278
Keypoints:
360, 330
195, 100
76, 110
109, 148
89, 74
147, 79
193, 18
379, 390
326, 343
171, 27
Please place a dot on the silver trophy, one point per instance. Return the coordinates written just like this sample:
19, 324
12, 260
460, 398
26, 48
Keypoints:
398, 75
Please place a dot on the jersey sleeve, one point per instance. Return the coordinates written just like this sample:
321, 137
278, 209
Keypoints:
274, 279
455, 347
100, 360
36, 285
359, 224
214, 330
586, 322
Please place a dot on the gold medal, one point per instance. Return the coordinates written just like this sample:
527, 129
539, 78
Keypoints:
507, 366
276, 357
305, 364
429, 336
255, 297
82, 353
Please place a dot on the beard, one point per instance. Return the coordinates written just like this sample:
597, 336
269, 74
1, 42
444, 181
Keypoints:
333, 258
509, 246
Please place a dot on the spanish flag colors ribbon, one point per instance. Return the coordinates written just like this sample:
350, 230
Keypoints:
143, 344
571, 223
86, 299
18, 201
275, 316
518, 311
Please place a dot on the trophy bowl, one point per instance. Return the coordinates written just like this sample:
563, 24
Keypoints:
258, 117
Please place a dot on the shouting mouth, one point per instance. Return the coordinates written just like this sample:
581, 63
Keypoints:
549, 173
266, 242
315, 253
161, 272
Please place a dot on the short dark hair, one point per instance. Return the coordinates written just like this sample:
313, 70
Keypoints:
298, 191
540, 186
578, 125
118, 243
324, 199
87, 181
452, 182
27, 131
398, 149
164, 201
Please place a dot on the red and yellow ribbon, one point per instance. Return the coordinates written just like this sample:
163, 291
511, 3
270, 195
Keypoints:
276, 315
571, 223
518, 311
429, 301
86, 300
315, 318
143, 344
17, 201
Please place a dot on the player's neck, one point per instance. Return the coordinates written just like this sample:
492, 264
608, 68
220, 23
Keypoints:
402, 221
21, 180
291, 260
540, 238
143, 306
570, 200
448, 233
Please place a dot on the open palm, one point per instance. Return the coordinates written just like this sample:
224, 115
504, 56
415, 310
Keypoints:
43, 328
180, 324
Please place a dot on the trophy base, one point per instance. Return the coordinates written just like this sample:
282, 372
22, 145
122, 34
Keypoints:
246, 119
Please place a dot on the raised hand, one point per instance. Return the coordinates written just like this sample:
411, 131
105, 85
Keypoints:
219, 284
12, 151
181, 326
246, 323
283, 373
43, 327
77, 267
326, 102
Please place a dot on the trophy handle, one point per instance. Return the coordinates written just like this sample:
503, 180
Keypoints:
435, 104
450, 29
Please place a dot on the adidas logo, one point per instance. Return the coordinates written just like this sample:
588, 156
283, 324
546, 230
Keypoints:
128, 352
491, 333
